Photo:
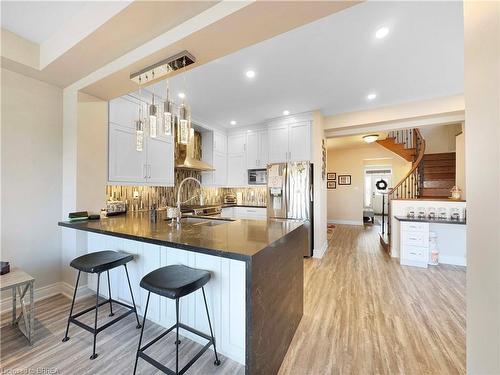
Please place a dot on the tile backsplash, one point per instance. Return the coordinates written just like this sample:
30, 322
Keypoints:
144, 197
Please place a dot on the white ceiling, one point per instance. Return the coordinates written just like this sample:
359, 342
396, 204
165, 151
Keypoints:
37, 21
333, 64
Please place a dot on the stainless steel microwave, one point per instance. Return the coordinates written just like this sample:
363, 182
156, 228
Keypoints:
257, 177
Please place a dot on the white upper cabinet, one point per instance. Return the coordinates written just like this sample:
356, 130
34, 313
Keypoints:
236, 160
220, 165
220, 142
214, 151
278, 144
124, 112
236, 143
236, 170
125, 164
299, 141
257, 150
154, 165
290, 142
160, 161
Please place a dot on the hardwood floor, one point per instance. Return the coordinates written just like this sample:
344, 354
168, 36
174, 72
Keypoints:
364, 314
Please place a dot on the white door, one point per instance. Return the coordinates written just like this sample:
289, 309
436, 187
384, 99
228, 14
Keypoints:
253, 150
300, 141
236, 170
278, 144
220, 165
125, 164
160, 161
374, 196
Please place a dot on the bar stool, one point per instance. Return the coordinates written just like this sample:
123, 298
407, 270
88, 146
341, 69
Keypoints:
175, 282
99, 262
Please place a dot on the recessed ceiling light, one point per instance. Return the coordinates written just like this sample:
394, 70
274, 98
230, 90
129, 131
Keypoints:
382, 32
232, 122
370, 138
286, 112
250, 74
371, 96
182, 95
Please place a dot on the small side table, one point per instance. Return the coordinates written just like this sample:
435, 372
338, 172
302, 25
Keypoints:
20, 282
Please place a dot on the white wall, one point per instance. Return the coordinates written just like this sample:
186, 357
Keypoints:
482, 142
31, 176
439, 139
92, 153
345, 203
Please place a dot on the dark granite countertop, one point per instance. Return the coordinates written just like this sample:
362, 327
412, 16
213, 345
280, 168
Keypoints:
427, 220
242, 205
240, 239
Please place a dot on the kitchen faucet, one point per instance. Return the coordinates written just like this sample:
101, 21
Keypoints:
179, 215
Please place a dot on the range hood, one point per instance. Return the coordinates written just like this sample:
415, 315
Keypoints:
184, 156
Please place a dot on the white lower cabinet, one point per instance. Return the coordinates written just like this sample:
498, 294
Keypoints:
226, 297
414, 238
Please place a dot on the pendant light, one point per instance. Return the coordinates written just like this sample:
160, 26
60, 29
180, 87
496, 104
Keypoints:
184, 125
139, 132
167, 114
153, 119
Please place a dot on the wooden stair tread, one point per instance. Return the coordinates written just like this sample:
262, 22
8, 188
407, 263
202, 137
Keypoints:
438, 163
440, 156
439, 184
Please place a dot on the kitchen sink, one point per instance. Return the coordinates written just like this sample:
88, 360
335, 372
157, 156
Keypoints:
205, 221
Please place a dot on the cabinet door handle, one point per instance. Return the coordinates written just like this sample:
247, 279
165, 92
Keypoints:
145, 170
149, 170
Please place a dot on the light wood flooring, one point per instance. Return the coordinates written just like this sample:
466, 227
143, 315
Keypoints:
364, 314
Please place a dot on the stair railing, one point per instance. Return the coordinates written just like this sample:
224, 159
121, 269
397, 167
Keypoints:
411, 184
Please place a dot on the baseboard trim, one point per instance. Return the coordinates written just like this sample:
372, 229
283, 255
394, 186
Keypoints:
455, 261
319, 253
49, 291
346, 222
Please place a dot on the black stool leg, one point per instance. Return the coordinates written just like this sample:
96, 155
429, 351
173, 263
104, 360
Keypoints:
109, 290
217, 361
66, 338
94, 355
177, 336
142, 331
133, 301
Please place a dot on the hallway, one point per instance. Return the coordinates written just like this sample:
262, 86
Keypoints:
365, 314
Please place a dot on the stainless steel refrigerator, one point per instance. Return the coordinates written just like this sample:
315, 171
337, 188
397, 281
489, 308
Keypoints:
290, 195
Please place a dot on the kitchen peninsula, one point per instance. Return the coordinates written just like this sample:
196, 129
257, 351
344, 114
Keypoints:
255, 294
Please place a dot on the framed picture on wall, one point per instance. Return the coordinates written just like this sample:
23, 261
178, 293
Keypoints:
331, 184
331, 176
344, 179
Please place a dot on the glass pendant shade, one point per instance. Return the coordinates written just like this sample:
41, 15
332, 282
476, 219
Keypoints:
167, 118
139, 133
153, 120
183, 133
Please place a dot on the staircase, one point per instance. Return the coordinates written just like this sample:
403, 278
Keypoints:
431, 175
438, 175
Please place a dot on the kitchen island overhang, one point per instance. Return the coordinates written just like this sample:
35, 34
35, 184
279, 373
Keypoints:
257, 297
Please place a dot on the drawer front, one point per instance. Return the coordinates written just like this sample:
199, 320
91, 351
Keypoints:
250, 213
415, 238
415, 253
414, 227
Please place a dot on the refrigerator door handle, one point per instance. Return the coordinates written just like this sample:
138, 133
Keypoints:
311, 193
